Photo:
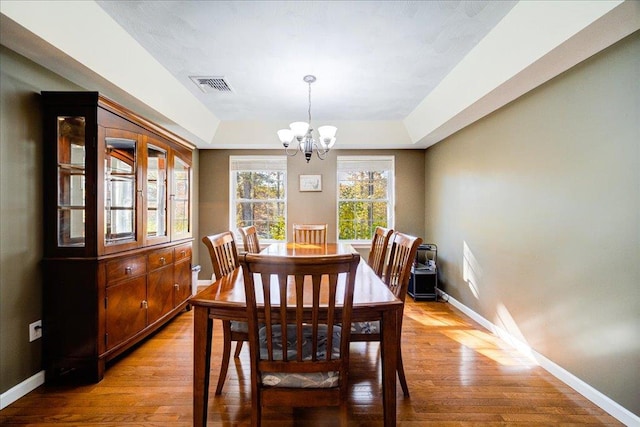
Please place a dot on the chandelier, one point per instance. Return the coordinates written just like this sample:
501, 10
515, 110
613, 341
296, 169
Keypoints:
302, 133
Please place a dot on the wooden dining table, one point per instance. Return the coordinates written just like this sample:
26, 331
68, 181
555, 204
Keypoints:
224, 299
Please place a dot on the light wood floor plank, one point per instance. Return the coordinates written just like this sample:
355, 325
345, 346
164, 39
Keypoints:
458, 374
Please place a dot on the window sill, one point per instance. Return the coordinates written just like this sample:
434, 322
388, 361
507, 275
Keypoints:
359, 244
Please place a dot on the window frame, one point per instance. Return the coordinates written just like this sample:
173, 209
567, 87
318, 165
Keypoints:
391, 193
257, 160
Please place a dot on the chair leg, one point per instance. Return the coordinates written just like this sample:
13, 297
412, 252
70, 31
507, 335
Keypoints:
226, 353
343, 413
238, 349
256, 410
401, 377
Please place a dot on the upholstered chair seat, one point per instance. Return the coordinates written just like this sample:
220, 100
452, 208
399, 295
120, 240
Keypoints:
365, 327
239, 326
300, 380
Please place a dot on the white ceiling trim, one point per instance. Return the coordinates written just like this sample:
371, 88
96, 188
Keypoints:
352, 134
533, 43
86, 33
495, 71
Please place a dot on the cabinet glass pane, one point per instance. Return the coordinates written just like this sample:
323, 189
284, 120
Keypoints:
120, 190
156, 192
71, 181
181, 194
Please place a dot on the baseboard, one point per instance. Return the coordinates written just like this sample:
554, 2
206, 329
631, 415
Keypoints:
607, 404
22, 389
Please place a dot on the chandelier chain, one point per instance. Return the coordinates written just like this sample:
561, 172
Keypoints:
309, 104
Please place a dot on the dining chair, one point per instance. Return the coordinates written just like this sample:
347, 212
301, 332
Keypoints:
250, 239
310, 233
396, 276
224, 258
299, 354
378, 251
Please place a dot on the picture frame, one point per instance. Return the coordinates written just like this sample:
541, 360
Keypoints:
310, 182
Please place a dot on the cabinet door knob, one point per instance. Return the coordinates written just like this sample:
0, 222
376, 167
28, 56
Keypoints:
177, 287
144, 304
183, 253
162, 260
128, 270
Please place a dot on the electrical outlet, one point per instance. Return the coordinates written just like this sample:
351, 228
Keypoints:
35, 330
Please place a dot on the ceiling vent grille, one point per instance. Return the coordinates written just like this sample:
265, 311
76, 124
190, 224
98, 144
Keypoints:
211, 84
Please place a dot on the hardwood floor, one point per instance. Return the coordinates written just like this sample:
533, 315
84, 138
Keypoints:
458, 375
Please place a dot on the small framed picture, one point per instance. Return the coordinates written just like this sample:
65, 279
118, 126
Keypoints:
310, 182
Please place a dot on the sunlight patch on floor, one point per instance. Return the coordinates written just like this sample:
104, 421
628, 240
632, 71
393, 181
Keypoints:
489, 346
433, 319
507, 329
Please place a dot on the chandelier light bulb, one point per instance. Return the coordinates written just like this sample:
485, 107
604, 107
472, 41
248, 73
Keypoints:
327, 133
286, 136
299, 129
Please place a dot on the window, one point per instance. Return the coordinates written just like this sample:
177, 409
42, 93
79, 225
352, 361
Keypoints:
258, 195
365, 195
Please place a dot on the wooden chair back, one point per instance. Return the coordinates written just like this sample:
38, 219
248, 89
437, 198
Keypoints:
401, 257
250, 239
224, 257
310, 233
378, 251
291, 301
396, 276
223, 253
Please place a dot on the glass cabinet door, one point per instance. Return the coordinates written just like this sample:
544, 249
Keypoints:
71, 181
181, 195
156, 194
120, 190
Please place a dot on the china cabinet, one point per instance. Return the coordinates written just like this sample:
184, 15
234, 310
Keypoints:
117, 231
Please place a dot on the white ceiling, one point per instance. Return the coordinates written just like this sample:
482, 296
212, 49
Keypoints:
391, 74
374, 60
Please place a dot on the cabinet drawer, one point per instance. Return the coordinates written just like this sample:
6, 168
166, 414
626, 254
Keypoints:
128, 267
182, 252
160, 258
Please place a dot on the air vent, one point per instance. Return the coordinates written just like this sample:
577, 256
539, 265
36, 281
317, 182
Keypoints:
211, 84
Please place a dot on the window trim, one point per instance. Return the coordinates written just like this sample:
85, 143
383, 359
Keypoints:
391, 188
279, 161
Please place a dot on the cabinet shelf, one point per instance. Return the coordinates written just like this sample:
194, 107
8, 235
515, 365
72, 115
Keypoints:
120, 208
75, 166
71, 207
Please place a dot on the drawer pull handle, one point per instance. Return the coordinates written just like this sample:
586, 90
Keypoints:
128, 270
183, 253
162, 260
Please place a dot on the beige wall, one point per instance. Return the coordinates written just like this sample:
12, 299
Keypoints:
21, 81
310, 207
536, 213
20, 212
